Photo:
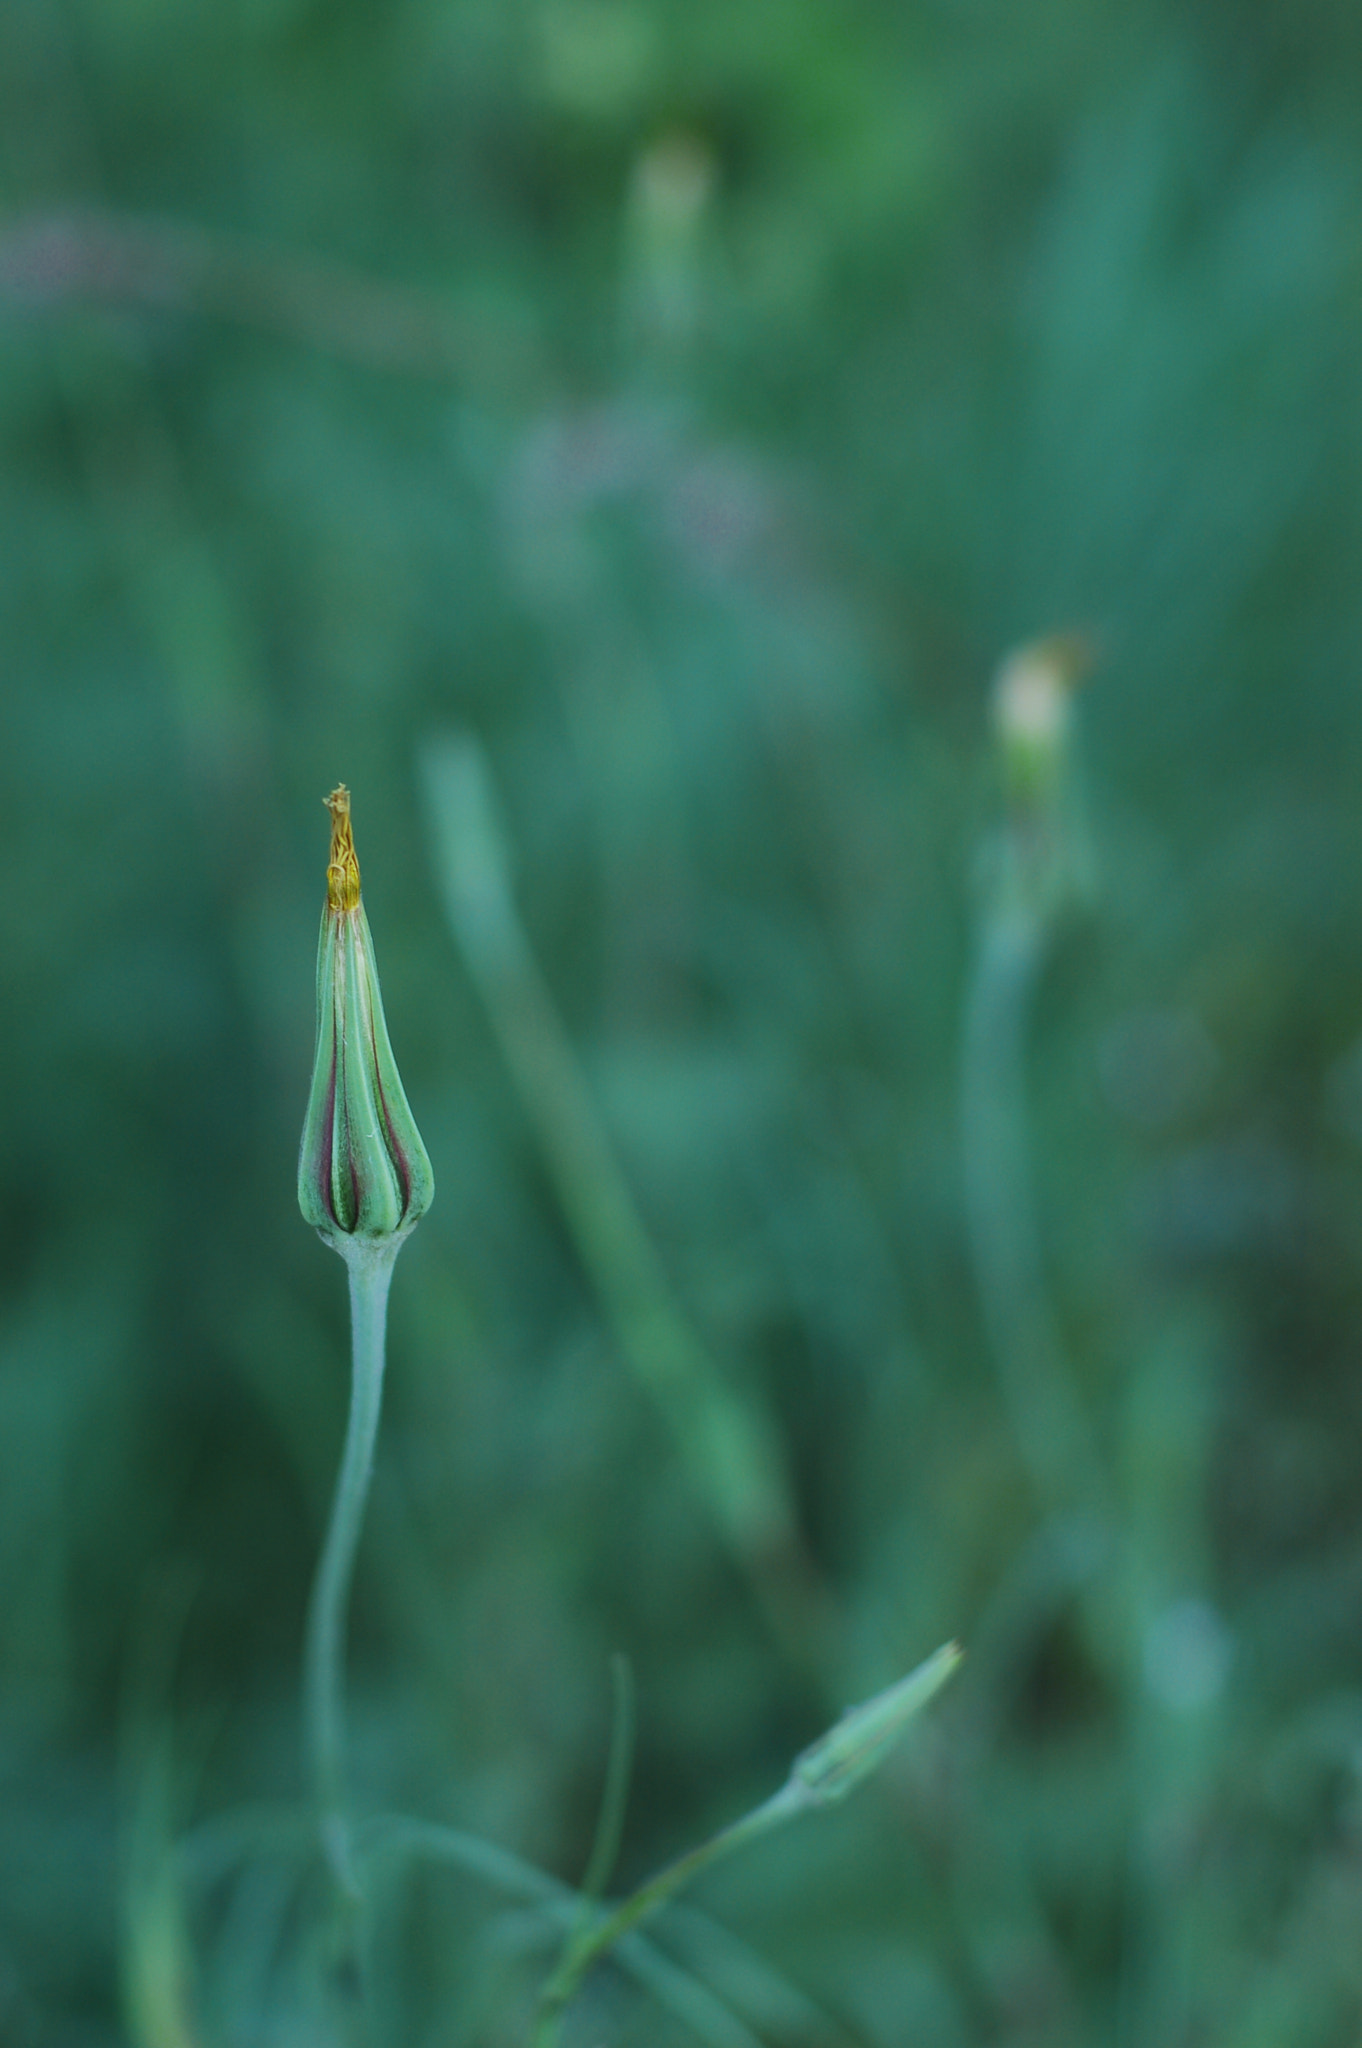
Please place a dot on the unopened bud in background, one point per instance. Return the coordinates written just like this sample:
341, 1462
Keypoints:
1043, 850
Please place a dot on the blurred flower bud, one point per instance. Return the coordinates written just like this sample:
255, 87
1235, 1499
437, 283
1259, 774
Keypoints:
1031, 703
1043, 846
363, 1174
859, 1743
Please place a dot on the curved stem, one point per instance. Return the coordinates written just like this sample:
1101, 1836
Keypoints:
370, 1269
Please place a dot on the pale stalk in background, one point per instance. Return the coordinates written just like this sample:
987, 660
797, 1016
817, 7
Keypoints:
1034, 875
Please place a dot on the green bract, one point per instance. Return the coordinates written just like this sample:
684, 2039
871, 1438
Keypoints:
363, 1173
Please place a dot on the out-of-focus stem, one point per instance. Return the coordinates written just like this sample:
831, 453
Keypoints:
1047, 1417
1036, 871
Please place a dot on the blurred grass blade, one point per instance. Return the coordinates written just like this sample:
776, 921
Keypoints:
157, 1963
615, 1795
725, 1440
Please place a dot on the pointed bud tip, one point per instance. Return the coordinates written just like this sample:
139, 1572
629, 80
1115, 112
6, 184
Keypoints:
342, 869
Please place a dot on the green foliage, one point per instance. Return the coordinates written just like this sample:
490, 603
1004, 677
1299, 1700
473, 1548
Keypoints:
695, 405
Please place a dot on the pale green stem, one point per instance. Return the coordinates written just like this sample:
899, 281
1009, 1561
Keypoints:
370, 1267
1051, 1429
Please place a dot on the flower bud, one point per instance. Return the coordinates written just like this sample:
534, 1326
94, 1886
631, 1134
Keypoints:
363, 1174
859, 1743
1031, 711
1042, 850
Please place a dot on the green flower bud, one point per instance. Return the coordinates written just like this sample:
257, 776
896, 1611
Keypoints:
1042, 849
1031, 709
363, 1174
859, 1743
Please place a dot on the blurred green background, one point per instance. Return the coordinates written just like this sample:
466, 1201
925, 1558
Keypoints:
694, 404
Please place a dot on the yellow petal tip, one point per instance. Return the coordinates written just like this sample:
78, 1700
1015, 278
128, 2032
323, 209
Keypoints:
342, 869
